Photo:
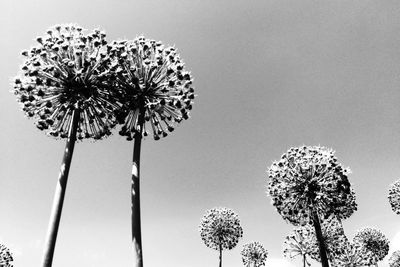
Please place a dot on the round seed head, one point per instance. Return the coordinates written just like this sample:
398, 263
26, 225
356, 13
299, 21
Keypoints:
394, 196
254, 254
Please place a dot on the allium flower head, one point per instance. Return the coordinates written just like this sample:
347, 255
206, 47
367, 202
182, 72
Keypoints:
153, 81
254, 254
394, 260
6, 257
373, 244
299, 243
308, 179
220, 228
394, 196
67, 71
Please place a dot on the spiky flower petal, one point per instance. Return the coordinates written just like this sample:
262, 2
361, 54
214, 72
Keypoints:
373, 243
67, 71
309, 179
254, 254
6, 257
394, 260
153, 81
394, 196
220, 228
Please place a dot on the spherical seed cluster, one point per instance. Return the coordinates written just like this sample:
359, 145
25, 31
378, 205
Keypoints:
308, 179
68, 71
254, 254
154, 83
373, 244
394, 260
6, 257
394, 196
220, 229
299, 242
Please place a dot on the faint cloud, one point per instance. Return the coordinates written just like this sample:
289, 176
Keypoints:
277, 262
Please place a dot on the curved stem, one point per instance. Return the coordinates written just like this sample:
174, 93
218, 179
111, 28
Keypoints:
135, 194
318, 232
58, 200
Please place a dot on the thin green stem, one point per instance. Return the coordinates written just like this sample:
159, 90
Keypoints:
135, 194
58, 200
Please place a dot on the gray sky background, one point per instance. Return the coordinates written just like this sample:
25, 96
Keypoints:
268, 74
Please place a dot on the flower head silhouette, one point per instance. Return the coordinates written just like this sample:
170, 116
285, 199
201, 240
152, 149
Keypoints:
155, 85
68, 71
220, 229
254, 254
373, 245
394, 196
6, 257
65, 84
394, 260
308, 184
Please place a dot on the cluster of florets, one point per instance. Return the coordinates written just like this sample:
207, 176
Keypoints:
309, 179
157, 90
303, 241
394, 196
6, 257
254, 254
372, 244
220, 229
394, 260
68, 70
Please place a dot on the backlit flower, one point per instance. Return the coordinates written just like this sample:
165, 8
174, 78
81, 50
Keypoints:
6, 257
373, 244
394, 196
220, 229
254, 254
154, 81
309, 179
67, 71
394, 260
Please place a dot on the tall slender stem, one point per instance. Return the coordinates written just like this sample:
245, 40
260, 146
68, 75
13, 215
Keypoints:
304, 260
321, 243
135, 194
220, 255
58, 200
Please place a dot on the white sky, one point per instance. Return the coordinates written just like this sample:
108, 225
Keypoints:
268, 74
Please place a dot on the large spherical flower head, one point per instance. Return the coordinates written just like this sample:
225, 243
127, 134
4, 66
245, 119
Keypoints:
394, 260
153, 81
220, 228
394, 196
309, 179
254, 254
373, 244
6, 257
67, 71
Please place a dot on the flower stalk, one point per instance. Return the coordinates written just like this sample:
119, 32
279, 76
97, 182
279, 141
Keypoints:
61, 187
321, 244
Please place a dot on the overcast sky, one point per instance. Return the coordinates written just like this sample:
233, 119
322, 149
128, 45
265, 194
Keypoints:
268, 74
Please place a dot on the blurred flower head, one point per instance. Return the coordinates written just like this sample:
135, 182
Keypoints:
394, 260
309, 179
67, 71
220, 228
254, 254
394, 196
373, 245
6, 257
153, 80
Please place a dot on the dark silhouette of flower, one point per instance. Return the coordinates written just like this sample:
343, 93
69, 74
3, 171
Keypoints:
154, 91
65, 84
373, 245
394, 196
220, 229
254, 254
6, 257
308, 184
154, 83
67, 71
394, 260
